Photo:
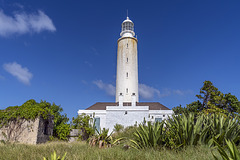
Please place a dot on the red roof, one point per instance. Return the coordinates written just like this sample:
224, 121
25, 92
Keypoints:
152, 105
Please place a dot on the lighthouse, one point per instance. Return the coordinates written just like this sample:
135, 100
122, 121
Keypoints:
126, 110
127, 64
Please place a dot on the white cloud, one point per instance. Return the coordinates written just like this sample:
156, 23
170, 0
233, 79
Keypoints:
147, 92
22, 23
108, 88
18, 5
182, 93
22, 74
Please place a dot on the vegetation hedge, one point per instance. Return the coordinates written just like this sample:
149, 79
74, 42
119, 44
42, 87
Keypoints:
30, 110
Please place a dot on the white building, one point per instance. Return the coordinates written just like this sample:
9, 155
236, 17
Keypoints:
127, 110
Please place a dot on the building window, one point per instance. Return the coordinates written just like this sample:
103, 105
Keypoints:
127, 74
127, 59
127, 90
158, 119
127, 45
97, 123
125, 112
164, 115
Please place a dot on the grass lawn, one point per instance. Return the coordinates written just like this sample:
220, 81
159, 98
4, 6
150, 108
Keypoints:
80, 150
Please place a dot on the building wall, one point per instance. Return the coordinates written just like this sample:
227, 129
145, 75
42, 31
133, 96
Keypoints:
126, 116
135, 115
163, 114
127, 69
96, 113
45, 129
30, 132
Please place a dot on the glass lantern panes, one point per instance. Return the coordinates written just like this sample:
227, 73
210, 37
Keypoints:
127, 26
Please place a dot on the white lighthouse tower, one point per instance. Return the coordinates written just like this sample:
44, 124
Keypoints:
127, 64
126, 110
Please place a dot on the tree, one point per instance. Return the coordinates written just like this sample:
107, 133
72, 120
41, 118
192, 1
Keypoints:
61, 127
193, 107
211, 100
84, 123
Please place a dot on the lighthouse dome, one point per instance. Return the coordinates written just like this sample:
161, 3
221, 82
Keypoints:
127, 28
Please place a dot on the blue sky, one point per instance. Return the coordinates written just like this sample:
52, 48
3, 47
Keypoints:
65, 51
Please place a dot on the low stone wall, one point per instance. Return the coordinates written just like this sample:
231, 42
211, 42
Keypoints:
74, 135
30, 132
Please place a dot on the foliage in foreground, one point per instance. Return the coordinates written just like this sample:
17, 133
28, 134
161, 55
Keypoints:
234, 153
150, 136
54, 157
118, 128
84, 123
184, 130
102, 139
80, 150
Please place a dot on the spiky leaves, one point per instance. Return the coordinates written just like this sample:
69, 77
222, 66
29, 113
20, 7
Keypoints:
150, 135
184, 130
232, 149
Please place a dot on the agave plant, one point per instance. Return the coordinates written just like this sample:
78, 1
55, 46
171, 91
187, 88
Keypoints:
103, 139
183, 130
150, 135
54, 157
223, 128
186, 130
232, 149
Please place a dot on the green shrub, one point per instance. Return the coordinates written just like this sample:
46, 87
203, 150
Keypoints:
63, 130
223, 127
84, 123
150, 136
30, 110
232, 149
103, 139
184, 130
127, 132
118, 128
54, 157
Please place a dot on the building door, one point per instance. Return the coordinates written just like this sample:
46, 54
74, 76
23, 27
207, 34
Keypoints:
97, 123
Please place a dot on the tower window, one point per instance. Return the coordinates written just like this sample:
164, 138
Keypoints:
127, 59
127, 45
127, 74
127, 90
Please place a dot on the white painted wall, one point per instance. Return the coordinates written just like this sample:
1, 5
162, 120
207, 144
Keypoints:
126, 116
97, 113
116, 115
127, 69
